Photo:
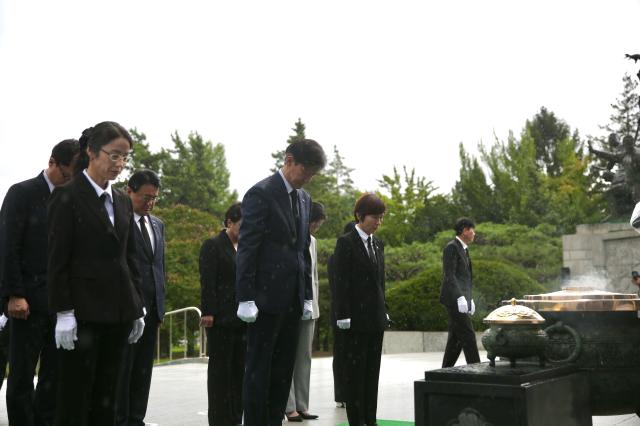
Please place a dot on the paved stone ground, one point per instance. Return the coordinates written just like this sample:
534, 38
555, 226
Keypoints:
178, 393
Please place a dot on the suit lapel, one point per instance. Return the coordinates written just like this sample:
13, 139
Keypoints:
361, 252
156, 236
121, 218
463, 254
284, 201
140, 242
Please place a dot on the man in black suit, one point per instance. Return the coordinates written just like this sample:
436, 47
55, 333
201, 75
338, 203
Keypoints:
455, 295
135, 380
23, 219
225, 332
360, 308
273, 279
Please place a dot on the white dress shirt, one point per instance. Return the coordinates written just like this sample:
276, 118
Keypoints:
137, 217
364, 236
49, 183
108, 201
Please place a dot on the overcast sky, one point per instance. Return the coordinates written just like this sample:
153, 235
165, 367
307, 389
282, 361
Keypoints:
389, 83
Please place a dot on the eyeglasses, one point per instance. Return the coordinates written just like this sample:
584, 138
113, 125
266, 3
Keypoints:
116, 156
150, 198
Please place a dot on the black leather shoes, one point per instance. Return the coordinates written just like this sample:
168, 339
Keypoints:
297, 418
308, 416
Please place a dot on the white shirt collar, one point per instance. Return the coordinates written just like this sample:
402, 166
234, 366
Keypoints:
49, 183
137, 217
362, 234
464, 246
97, 188
286, 182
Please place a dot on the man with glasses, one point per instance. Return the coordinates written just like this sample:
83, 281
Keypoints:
273, 279
135, 381
23, 274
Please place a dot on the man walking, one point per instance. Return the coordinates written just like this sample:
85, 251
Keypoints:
135, 381
273, 279
24, 284
455, 295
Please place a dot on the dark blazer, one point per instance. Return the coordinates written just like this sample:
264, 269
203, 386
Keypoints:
23, 219
92, 265
456, 274
359, 283
152, 268
218, 280
273, 265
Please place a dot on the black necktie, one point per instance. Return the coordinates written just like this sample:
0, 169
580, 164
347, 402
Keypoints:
295, 210
372, 255
145, 236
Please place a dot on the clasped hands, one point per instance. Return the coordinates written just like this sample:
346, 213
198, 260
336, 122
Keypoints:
248, 311
66, 332
463, 307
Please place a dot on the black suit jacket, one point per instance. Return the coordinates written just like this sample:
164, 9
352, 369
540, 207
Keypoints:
359, 283
152, 268
218, 280
273, 265
23, 239
456, 275
92, 266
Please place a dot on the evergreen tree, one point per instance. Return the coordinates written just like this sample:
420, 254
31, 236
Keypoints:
195, 174
299, 134
472, 195
547, 131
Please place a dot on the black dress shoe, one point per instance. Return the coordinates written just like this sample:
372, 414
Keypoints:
308, 416
297, 418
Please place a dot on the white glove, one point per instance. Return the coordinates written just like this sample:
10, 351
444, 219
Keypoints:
66, 330
463, 308
136, 330
344, 324
307, 311
3, 321
473, 308
247, 311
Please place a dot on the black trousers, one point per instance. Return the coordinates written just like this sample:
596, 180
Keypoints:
88, 375
363, 353
461, 338
227, 349
32, 340
271, 351
135, 375
339, 342
4, 350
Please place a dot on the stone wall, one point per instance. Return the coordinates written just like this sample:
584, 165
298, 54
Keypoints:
602, 256
400, 342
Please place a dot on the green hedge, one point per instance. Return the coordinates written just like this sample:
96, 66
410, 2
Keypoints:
415, 304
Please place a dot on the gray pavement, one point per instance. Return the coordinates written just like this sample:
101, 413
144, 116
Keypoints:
178, 392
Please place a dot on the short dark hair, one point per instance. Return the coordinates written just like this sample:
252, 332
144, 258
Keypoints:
462, 224
98, 136
233, 214
317, 212
143, 177
368, 203
64, 152
307, 152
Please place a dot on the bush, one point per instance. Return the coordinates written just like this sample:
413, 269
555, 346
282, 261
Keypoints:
186, 229
415, 304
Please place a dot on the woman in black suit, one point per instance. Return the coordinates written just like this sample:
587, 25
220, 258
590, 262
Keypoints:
360, 309
225, 332
94, 284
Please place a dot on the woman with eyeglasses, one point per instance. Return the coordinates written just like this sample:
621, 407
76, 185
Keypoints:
360, 308
94, 283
